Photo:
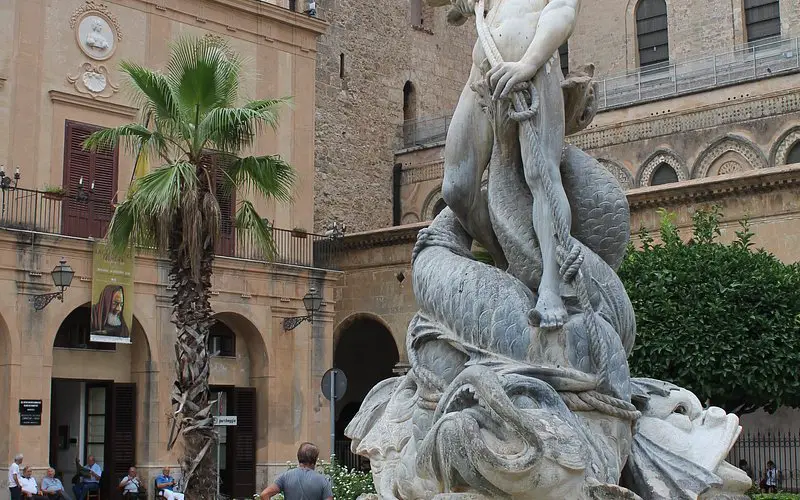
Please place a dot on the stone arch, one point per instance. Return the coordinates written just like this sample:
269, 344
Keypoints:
785, 144
366, 350
728, 150
655, 160
250, 344
430, 204
631, 40
7, 353
622, 174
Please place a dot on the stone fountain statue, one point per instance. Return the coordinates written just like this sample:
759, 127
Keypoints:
519, 384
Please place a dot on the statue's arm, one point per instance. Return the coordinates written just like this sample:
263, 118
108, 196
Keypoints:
554, 27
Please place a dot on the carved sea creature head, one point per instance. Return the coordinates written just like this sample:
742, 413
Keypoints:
679, 448
505, 435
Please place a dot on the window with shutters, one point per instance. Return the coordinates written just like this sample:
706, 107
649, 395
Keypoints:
563, 54
87, 218
762, 19
226, 197
794, 154
652, 35
663, 174
123, 432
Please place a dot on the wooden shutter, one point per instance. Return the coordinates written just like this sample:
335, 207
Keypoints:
762, 18
123, 432
651, 32
91, 217
243, 441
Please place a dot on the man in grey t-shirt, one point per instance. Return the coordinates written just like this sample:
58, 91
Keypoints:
302, 483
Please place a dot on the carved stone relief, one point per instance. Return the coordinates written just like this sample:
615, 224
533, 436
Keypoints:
671, 159
752, 156
97, 30
621, 173
93, 80
784, 145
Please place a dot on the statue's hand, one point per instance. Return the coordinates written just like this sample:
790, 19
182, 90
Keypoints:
504, 76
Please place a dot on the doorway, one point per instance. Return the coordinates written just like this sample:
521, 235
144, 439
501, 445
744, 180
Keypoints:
92, 417
237, 444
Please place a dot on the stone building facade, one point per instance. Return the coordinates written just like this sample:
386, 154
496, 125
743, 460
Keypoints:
59, 78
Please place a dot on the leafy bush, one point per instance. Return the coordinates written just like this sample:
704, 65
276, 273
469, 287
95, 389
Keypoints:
775, 496
722, 320
348, 484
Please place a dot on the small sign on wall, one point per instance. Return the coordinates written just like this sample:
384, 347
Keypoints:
30, 412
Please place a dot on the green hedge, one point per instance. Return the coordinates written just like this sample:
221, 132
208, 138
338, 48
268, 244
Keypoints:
348, 484
776, 496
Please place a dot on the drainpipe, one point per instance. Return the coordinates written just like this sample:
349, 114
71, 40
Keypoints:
397, 173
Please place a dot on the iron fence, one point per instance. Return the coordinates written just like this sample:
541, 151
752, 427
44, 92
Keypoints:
758, 60
349, 459
82, 216
757, 449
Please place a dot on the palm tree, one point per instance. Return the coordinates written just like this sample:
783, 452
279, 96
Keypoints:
195, 130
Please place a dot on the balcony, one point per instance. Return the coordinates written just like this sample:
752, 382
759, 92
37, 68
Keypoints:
763, 59
82, 217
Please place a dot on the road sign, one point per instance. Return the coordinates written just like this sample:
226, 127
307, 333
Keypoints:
339, 386
225, 420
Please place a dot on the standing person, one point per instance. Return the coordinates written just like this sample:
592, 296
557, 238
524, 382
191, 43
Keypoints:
302, 483
771, 478
90, 478
13, 478
166, 485
52, 487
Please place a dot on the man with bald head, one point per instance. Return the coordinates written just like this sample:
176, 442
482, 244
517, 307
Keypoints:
52, 487
302, 483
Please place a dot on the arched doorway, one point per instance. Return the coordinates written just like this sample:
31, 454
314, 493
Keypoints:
238, 381
367, 353
5, 384
97, 396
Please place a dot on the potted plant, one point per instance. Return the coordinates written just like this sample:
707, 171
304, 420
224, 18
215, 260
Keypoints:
299, 232
54, 192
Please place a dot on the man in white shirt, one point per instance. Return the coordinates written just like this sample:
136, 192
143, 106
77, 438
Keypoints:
14, 477
28, 484
131, 486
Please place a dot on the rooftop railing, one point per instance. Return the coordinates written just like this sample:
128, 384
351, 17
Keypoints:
757, 60
87, 217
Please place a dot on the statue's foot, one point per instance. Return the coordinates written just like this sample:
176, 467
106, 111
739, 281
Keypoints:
549, 311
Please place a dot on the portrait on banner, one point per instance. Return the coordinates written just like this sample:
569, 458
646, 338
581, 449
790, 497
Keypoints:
112, 296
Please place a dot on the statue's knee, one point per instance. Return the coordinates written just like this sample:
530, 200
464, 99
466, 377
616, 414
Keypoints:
456, 195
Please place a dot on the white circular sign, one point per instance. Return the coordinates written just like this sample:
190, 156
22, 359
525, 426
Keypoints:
96, 37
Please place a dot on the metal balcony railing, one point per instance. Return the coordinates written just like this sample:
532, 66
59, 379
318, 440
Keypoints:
87, 217
757, 60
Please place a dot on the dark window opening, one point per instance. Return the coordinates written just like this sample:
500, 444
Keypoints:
74, 332
664, 174
794, 154
563, 54
341, 65
651, 32
409, 102
762, 19
221, 340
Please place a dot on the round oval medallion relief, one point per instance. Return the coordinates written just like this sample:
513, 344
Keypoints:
96, 37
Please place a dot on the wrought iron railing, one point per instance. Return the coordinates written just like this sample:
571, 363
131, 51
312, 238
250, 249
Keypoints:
757, 60
349, 459
783, 448
84, 216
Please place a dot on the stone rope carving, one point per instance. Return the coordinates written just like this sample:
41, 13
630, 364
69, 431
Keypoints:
513, 393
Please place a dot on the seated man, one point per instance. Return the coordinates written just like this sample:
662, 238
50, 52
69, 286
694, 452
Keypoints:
165, 485
90, 478
52, 487
131, 486
28, 484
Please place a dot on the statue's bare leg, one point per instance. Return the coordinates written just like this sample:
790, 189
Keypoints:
549, 123
467, 152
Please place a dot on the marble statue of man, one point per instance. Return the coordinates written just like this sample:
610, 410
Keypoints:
528, 34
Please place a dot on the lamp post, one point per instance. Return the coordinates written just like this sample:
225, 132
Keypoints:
62, 278
312, 301
7, 183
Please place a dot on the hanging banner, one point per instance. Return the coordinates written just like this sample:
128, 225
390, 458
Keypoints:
112, 296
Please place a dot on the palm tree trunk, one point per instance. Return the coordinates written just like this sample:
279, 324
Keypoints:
192, 318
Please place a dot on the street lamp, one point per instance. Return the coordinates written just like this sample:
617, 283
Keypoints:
312, 301
62, 278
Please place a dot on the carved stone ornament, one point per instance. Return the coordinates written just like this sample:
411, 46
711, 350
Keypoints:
782, 152
97, 30
745, 148
621, 173
518, 384
650, 166
94, 81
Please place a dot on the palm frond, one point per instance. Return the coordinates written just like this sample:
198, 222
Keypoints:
250, 225
203, 74
269, 176
151, 91
233, 129
132, 135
